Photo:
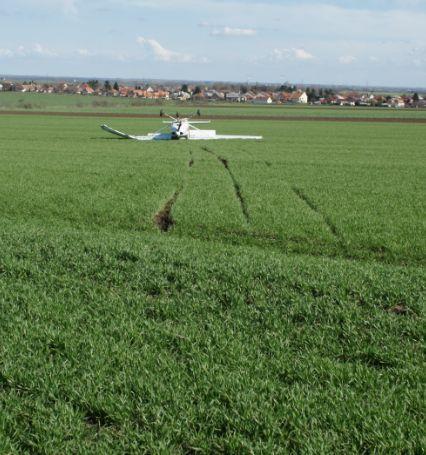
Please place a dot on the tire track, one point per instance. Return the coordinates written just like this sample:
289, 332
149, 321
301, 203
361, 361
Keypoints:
327, 221
235, 183
163, 218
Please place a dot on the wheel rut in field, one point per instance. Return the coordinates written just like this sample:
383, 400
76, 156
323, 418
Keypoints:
163, 218
191, 159
235, 183
311, 204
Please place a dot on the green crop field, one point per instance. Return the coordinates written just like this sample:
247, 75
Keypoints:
34, 102
206, 296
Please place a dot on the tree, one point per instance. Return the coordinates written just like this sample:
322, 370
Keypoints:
416, 97
287, 88
94, 84
184, 88
107, 86
312, 96
116, 87
197, 90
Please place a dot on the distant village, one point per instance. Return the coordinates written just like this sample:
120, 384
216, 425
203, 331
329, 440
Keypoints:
284, 94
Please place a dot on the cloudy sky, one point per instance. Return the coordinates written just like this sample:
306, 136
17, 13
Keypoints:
375, 42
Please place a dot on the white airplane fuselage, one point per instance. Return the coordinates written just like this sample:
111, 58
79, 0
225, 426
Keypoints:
180, 129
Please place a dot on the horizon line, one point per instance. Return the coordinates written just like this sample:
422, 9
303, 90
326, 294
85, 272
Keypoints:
194, 81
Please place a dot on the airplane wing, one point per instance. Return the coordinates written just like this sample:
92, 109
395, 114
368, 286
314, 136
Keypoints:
231, 136
116, 132
224, 137
148, 137
206, 135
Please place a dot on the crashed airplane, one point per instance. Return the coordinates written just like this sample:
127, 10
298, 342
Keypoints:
178, 128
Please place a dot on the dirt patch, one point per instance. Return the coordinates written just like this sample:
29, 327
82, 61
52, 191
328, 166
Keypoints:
163, 218
98, 418
399, 309
191, 159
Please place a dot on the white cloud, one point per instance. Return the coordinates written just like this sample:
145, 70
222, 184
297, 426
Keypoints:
6, 53
84, 53
278, 55
21, 51
44, 51
229, 31
163, 54
347, 59
35, 49
118, 56
301, 54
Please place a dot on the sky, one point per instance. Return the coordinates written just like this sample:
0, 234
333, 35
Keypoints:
360, 42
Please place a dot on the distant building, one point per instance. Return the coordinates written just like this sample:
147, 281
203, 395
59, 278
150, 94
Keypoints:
398, 102
293, 97
235, 97
214, 95
181, 96
85, 89
262, 99
299, 97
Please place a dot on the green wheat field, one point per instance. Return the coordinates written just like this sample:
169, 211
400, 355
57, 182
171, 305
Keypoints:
207, 296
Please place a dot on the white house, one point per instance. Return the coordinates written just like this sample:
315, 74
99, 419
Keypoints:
214, 95
298, 97
261, 99
398, 102
303, 98
236, 97
182, 96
